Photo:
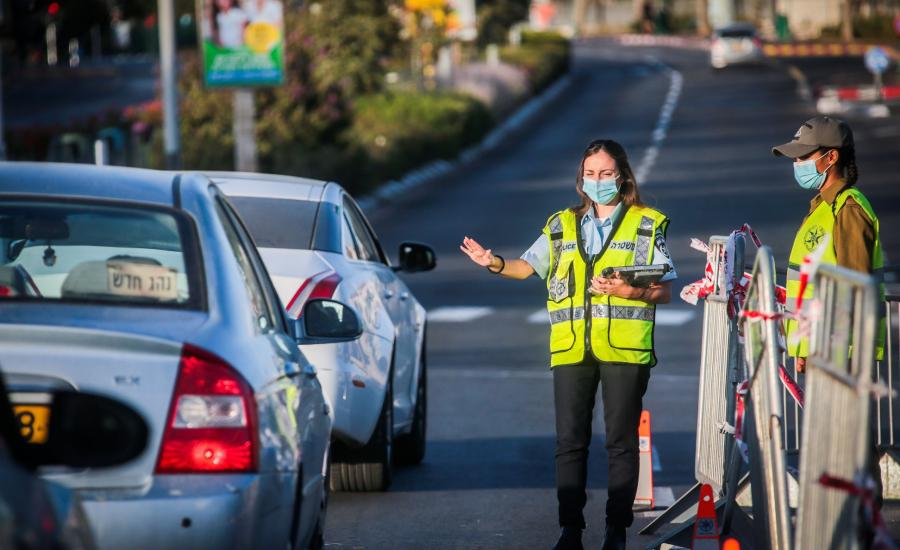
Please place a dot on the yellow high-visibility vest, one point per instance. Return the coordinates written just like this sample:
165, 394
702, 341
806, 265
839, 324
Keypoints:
611, 329
815, 229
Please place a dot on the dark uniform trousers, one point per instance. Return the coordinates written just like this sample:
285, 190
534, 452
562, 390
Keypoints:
574, 389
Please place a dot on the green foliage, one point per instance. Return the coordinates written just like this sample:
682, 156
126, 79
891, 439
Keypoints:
348, 43
543, 56
397, 132
877, 28
496, 17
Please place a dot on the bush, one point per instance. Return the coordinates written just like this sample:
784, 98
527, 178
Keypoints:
396, 132
877, 28
544, 60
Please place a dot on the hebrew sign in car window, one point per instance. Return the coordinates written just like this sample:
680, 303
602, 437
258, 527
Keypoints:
72, 251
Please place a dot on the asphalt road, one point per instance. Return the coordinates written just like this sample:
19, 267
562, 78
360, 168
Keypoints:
488, 478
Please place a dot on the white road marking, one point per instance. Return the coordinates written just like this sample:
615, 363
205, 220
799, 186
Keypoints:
458, 314
499, 372
676, 83
539, 317
657, 465
674, 317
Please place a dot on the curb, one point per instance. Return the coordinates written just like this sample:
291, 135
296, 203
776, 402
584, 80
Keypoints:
821, 50
438, 168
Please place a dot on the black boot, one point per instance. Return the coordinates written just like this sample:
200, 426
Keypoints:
615, 538
569, 539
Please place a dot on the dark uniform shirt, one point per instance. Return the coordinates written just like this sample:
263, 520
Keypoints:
854, 232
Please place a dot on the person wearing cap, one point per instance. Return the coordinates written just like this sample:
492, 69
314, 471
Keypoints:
601, 328
840, 217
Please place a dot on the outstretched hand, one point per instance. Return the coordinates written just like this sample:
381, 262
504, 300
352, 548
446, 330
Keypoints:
476, 252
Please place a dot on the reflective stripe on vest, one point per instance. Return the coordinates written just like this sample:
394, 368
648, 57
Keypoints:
618, 330
817, 227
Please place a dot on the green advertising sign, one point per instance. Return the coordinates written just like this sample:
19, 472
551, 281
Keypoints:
243, 42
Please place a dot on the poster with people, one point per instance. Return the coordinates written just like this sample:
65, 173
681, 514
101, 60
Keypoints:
243, 42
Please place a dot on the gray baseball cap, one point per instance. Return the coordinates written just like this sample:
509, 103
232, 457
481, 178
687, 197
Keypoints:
816, 133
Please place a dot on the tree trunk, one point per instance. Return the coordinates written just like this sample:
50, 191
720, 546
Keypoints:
702, 17
847, 20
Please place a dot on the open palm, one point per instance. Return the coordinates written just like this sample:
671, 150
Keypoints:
476, 252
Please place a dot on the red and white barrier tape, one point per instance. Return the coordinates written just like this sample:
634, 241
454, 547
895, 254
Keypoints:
791, 385
865, 491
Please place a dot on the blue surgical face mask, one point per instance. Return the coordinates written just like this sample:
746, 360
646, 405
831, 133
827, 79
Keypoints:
601, 191
808, 176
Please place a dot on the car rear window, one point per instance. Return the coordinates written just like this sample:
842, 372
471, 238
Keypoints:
736, 33
278, 223
75, 251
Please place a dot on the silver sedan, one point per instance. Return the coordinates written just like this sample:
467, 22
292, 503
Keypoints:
144, 286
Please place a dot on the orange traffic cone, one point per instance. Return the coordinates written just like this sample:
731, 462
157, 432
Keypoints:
644, 497
706, 530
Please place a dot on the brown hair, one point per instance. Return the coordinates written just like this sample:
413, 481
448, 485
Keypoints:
628, 189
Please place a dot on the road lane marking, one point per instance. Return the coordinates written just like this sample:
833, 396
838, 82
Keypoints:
458, 314
497, 372
676, 84
674, 317
539, 317
657, 464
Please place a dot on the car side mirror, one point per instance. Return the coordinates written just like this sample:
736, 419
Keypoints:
88, 431
326, 322
416, 257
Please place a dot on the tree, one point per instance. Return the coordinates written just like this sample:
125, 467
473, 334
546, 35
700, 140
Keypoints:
496, 17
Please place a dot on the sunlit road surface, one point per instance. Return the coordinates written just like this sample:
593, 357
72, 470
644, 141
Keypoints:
488, 478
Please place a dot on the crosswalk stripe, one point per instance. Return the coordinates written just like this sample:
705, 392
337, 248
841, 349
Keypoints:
458, 314
539, 317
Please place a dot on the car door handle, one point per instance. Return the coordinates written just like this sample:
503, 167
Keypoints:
388, 294
404, 296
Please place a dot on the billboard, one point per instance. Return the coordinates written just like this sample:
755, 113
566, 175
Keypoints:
242, 42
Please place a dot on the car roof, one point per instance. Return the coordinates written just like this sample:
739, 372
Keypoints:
88, 181
245, 184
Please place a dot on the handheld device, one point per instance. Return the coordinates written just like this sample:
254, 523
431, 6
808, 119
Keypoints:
639, 275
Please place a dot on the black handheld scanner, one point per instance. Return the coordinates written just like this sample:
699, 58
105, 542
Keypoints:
639, 275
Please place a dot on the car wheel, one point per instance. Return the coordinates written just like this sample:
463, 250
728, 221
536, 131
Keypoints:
411, 447
368, 468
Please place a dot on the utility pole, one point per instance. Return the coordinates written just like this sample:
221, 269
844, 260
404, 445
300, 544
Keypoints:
169, 82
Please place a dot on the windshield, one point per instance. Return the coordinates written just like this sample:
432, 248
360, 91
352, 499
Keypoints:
68, 251
278, 223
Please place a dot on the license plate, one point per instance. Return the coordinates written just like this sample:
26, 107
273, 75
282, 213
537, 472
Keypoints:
33, 422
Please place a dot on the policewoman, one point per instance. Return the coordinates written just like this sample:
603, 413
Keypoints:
601, 329
840, 217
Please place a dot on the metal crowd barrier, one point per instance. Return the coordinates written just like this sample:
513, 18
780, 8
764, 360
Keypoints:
762, 354
837, 435
720, 372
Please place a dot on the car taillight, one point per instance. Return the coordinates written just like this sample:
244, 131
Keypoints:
319, 286
211, 425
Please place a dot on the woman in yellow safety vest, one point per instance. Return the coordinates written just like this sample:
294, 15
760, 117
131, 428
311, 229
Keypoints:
601, 328
840, 216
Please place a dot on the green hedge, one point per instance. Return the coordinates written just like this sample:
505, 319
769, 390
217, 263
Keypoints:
545, 57
397, 132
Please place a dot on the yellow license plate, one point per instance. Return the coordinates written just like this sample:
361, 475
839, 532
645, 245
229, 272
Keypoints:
33, 422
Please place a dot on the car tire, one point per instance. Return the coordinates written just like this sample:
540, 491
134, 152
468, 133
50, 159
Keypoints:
368, 469
410, 448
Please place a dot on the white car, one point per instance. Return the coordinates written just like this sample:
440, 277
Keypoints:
735, 44
316, 243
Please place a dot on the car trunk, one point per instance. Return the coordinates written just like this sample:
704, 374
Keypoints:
137, 369
291, 271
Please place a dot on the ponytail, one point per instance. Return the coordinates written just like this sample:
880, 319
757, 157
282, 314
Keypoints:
847, 161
